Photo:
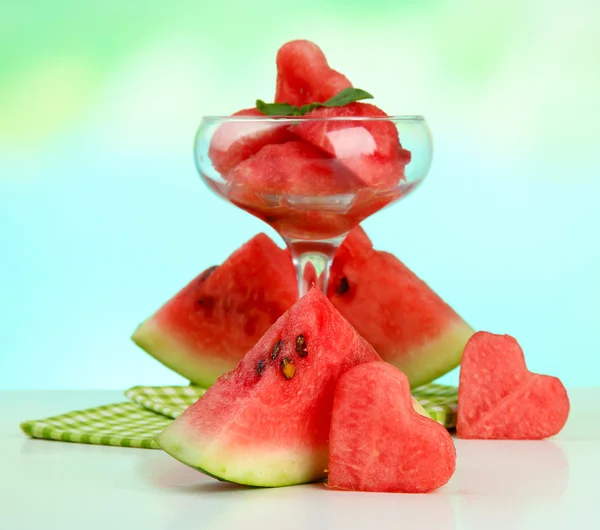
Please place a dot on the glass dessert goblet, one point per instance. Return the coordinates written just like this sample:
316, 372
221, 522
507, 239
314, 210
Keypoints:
312, 179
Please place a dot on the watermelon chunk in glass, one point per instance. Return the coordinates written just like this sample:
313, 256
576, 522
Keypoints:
267, 422
205, 329
291, 168
235, 141
370, 149
379, 442
304, 76
499, 398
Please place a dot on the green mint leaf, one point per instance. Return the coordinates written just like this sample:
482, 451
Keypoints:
277, 109
348, 95
304, 109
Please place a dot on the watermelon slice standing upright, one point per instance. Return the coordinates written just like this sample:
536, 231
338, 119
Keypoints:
406, 322
267, 422
205, 329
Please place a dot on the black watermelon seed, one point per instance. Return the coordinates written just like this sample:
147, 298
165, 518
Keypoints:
208, 305
204, 276
301, 348
343, 287
260, 366
276, 349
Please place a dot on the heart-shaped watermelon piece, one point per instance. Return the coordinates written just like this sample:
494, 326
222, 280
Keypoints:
499, 398
235, 141
304, 76
369, 148
379, 442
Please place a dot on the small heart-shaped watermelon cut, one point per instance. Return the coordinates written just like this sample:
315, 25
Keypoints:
379, 442
499, 398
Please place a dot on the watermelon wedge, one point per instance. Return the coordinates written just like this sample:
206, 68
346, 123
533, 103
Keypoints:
233, 142
304, 76
205, 329
499, 398
379, 442
267, 422
406, 322
369, 148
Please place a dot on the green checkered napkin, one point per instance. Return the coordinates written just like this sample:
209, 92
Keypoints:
152, 408
170, 401
440, 401
121, 424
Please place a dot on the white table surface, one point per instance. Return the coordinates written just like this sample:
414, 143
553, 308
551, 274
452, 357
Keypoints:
498, 485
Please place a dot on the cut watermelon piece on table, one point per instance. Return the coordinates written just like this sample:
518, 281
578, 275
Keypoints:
499, 398
206, 328
379, 442
233, 142
406, 322
304, 76
267, 422
369, 148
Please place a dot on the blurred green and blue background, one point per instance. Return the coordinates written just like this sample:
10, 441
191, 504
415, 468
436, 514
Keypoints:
102, 216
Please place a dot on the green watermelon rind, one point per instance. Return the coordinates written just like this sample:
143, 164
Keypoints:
438, 357
167, 441
202, 370
224, 480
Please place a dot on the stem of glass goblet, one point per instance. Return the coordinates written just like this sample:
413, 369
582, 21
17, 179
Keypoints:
312, 260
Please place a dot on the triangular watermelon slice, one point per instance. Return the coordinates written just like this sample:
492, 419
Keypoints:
370, 149
304, 76
233, 142
267, 422
407, 323
205, 329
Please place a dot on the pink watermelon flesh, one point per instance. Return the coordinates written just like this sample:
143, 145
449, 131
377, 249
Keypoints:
266, 423
304, 76
498, 398
206, 328
235, 141
379, 442
369, 148
292, 168
406, 322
